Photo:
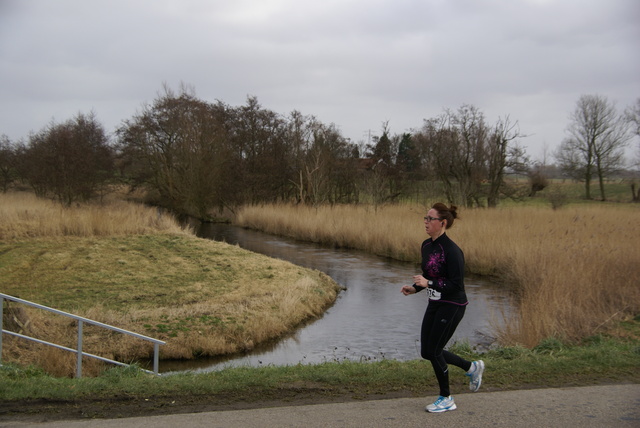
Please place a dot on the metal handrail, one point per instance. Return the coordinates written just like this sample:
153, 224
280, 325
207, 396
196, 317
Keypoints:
81, 321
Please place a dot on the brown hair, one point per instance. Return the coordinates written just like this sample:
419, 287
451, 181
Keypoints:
446, 213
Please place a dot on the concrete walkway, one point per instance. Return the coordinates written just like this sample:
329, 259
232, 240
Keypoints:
584, 407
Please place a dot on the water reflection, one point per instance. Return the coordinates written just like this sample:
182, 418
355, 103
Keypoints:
371, 319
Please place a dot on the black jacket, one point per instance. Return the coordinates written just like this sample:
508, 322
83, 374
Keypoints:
443, 264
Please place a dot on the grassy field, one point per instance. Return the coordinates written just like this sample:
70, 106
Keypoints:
572, 271
131, 267
558, 190
615, 191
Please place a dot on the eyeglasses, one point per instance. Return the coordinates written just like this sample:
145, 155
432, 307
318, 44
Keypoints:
429, 218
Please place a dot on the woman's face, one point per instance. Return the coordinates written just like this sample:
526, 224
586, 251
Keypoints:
432, 224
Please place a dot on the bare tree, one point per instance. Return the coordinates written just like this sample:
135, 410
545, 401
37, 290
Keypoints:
322, 161
382, 149
70, 161
298, 134
632, 116
466, 157
178, 149
195, 155
408, 158
537, 179
260, 136
383, 179
316, 177
453, 145
500, 155
7, 163
332, 153
598, 137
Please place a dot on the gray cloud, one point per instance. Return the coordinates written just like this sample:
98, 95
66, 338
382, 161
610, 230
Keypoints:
355, 63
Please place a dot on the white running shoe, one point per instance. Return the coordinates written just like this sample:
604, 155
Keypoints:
476, 375
442, 404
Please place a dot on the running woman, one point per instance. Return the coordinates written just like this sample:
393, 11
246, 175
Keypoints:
443, 278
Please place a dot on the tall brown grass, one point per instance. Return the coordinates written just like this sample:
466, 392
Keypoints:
22, 215
571, 271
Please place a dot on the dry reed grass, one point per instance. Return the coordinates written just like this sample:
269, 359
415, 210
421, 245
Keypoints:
571, 271
22, 215
392, 230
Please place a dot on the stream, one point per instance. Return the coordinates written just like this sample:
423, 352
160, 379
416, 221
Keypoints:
371, 320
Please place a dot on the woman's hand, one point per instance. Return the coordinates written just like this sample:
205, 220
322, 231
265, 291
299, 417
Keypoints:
421, 281
408, 289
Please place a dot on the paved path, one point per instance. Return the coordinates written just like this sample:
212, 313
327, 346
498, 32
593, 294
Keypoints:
584, 407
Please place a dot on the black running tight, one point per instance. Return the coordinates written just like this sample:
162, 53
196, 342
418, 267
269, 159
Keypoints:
439, 324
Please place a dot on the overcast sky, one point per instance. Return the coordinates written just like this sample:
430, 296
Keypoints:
354, 63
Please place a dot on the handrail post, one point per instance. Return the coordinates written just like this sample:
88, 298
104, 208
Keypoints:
79, 360
1, 317
156, 356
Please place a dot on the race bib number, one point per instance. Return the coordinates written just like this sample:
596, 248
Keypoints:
434, 294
